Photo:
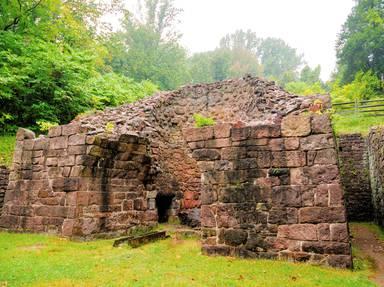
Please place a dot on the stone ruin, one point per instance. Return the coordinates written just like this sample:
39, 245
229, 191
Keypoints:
263, 182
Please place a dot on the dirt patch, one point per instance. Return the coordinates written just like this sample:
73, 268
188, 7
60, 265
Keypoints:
32, 247
372, 249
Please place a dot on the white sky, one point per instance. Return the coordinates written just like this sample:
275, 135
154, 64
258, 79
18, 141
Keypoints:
310, 26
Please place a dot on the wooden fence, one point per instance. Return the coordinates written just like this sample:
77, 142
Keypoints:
368, 107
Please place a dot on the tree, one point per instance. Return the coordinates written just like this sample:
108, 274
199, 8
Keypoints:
240, 40
52, 65
235, 57
360, 45
160, 16
200, 67
310, 76
279, 60
147, 49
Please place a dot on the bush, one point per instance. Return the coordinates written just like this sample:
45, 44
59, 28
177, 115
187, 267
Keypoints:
201, 121
305, 89
365, 86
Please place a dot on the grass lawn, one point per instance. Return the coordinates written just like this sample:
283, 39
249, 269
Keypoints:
351, 123
41, 260
7, 145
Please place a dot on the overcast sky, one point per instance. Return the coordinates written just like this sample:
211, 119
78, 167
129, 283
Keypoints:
310, 26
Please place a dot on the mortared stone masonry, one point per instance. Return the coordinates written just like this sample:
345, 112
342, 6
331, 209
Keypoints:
272, 191
263, 182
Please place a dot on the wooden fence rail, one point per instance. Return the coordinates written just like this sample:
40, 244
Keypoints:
370, 107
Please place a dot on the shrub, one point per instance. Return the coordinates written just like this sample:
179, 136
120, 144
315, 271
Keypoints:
201, 121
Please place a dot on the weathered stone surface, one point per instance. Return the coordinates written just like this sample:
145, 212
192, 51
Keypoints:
58, 143
222, 131
233, 237
298, 232
296, 126
317, 142
55, 131
194, 135
354, 175
288, 159
206, 154
321, 124
247, 180
322, 214
77, 139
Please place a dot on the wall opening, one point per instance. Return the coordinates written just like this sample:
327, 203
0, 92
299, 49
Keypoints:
163, 204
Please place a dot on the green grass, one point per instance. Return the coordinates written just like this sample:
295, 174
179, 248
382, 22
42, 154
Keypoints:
351, 123
41, 260
7, 145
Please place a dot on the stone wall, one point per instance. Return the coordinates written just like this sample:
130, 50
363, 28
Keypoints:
376, 167
76, 184
354, 172
4, 174
103, 174
272, 191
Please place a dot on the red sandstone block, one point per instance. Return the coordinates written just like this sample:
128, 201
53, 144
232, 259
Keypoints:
82, 198
239, 134
207, 217
296, 126
71, 184
77, 139
198, 134
264, 131
233, 153
222, 131
319, 174
58, 143
323, 232
68, 160
218, 143
282, 216
326, 156
286, 196
317, 142
276, 144
326, 247
298, 232
89, 225
322, 195
291, 143
76, 171
71, 129
54, 132
297, 177
28, 144
196, 145
127, 205
336, 195
67, 228
206, 154
339, 232
321, 124
322, 215
51, 211
288, 159
51, 161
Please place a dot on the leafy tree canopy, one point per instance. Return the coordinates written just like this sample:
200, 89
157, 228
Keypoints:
360, 45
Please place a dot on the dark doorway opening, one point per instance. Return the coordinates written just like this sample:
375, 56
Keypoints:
163, 204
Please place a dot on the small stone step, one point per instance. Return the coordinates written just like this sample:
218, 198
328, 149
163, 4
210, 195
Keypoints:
136, 241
